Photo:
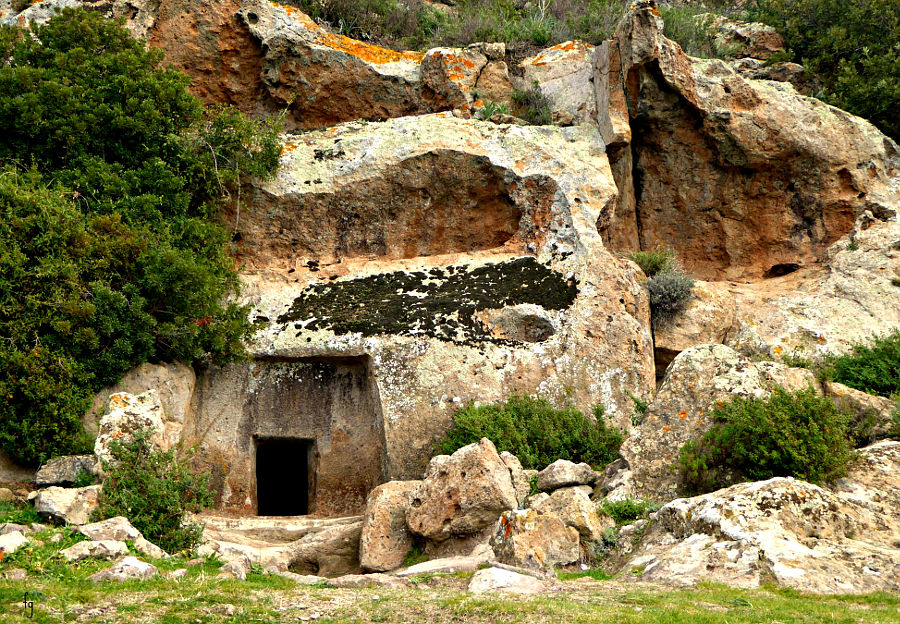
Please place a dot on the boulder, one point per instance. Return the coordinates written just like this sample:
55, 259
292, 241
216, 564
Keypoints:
493, 580
529, 539
448, 565
126, 569
69, 505
119, 528
331, 552
65, 470
740, 176
872, 411
127, 413
747, 39
6, 495
385, 539
174, 384
452, 74
573, 505
99, 549
12, 527
461, 494
11, 542
236, 567
563, 473
696, 382
564, 75
709, 317
786, 531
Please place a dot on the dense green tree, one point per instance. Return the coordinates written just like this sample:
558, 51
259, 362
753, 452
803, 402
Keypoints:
111, 249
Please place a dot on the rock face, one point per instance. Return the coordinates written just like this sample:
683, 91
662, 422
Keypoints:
125, 414
65, 470
573, 505
563, 75
462, 494
791, 532
405, 250
69, 505
696, 381
739, 176
529, 539
385, 539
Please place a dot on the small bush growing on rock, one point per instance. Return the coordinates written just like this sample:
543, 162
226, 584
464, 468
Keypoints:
626, 510
533, 106
670, 292
536, 432
800, 434
872, 368
655, 261
154, 490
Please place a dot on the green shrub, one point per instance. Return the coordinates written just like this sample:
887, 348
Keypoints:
154, 490
872, 368
853, 48
799, 434
655, 261
670, 292
111, 250
626, 510
535, 432
533, 106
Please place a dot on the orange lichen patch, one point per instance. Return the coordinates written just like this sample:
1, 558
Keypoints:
682, 414
567, 46
699, 421
288, 147
667, 428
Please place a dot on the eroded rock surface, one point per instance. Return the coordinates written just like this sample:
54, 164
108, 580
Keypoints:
66, 470
784, 530
530, 539
69, 505
125, 414
385, 538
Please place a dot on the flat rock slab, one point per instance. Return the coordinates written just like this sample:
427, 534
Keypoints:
491, 580
101, 549
447, 565
366, 580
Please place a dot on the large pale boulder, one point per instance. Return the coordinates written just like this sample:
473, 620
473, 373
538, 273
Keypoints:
65, 470
385, 540
69, 505
563, 473
740, 176
127, 413
791, 532
530, 539
461, 494
563, 74
11, 542
119, 528
174, 384
697, 381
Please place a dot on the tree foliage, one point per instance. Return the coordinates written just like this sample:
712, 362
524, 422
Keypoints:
111, 249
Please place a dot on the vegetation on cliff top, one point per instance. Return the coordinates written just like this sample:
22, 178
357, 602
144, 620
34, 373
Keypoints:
111, 248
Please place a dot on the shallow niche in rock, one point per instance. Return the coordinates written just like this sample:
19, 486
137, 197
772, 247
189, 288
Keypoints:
525, 323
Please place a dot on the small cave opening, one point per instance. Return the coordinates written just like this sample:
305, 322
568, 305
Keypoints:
778, 270
284, 476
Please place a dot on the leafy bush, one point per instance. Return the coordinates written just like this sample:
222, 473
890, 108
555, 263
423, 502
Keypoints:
535, 432
872, 368
111, 250
533, 106
670, 292
626, 510
799, 434
853, 48
154, 490
655, 261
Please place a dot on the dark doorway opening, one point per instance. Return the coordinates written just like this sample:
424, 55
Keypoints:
283, 476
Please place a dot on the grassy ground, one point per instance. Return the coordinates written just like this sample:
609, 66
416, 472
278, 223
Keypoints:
62, 593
